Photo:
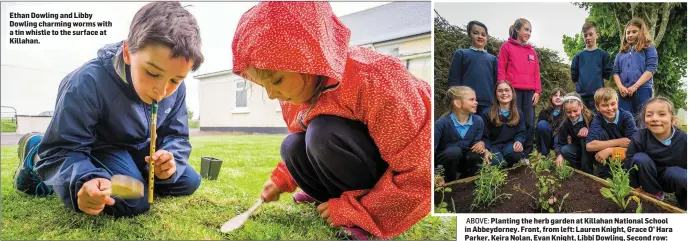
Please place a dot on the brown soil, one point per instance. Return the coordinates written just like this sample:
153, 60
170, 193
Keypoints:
584, 196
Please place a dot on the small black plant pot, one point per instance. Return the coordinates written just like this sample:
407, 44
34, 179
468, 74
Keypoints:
210, 167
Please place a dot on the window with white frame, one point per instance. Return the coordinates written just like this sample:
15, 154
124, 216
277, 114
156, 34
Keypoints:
241, 102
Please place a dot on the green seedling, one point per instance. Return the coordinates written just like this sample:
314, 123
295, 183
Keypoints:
491, 178
440, 187
619, 190
565, 171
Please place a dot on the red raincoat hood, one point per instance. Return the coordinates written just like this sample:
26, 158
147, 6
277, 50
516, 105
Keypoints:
303, 37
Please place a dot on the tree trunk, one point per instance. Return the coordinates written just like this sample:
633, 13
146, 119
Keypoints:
651, 13
663, 25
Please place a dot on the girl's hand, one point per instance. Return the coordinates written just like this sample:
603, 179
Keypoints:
479, 147
558, 161
569, 139
517, 146
583, 132
623, 91
270, 192
486, 158
324, 210
535, 98
631, 90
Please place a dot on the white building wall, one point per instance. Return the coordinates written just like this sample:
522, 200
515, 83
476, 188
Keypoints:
27, 124
218, 108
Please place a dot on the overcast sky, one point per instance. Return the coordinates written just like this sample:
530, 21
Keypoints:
31, 74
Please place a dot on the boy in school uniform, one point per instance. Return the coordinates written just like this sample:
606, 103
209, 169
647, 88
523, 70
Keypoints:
102, 119
611, 127
591, 67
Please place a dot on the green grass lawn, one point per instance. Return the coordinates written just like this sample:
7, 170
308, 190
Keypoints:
194, 124
248, 162
8, 125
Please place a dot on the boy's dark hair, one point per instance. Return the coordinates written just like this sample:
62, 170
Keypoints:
477, 23
170, 25
587, 26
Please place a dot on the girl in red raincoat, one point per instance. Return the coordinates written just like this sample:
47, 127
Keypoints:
360, 123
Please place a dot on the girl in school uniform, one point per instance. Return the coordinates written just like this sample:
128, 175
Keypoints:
504, 126
475, 67
549, 122
634, 67
360, 123
570, 143
518, 64
458, 133
660, 153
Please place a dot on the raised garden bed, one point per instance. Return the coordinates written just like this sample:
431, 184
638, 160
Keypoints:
584, 196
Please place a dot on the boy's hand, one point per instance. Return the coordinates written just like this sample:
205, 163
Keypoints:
583, 132
623, 142
270, 192
325, 212
164, 164
94, 195
479, 147
486, 158
517, 146
535, 98
603, 155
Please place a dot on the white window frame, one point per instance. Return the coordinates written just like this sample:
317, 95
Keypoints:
242, 109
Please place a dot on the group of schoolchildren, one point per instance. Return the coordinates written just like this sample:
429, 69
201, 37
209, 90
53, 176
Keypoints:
359, 143
490, 118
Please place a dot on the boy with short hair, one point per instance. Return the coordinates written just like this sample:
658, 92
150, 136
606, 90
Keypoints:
591, 67
101, 125
611, 127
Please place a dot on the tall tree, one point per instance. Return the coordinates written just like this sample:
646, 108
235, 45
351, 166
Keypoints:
667, 27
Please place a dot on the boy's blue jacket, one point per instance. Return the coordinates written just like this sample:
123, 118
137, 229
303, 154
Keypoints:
98, 108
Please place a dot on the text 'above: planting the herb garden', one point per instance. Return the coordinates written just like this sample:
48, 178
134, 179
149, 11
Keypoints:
565, 229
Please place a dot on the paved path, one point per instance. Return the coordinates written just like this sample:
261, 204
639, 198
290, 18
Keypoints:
9, 139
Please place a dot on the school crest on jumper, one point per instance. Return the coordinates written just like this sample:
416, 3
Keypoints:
532, 57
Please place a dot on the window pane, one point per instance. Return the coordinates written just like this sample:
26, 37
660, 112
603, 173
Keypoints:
241, 100
241, 84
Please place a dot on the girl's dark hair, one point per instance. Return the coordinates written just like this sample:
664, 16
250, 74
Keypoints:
551, 109
517, 26
476, 23
494, 114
